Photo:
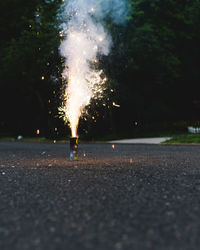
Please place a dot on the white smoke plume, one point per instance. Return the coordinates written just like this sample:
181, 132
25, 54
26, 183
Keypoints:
85, 38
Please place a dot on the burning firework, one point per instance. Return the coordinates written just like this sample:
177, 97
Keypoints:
85, 39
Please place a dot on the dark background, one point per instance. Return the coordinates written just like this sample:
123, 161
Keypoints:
153, 69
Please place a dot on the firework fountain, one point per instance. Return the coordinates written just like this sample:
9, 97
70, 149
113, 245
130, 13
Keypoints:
84, 40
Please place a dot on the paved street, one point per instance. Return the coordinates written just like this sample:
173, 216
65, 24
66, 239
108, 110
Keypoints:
117, 196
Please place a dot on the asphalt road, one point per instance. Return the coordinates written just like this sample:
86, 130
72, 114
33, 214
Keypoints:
123, 197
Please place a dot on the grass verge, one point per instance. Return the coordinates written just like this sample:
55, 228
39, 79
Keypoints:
25, 139
184, 138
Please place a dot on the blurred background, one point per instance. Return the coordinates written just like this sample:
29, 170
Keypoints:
153, 72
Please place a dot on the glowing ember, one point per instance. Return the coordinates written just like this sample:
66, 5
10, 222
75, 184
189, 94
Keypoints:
116, 105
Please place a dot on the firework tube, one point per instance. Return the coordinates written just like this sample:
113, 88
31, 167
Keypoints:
73, 148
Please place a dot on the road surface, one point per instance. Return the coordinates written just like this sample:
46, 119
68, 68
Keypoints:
115, 197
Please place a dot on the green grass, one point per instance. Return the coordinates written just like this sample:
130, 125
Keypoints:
25, 139
185, 138
33, 139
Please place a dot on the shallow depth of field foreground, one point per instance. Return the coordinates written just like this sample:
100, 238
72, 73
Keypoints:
113, 197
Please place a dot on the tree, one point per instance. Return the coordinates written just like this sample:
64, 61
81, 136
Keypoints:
29, 64
154, 59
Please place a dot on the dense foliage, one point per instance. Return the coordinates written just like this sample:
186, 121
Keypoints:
153, 67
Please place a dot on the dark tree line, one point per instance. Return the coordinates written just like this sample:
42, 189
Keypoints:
153, 68
156, 64
29, 64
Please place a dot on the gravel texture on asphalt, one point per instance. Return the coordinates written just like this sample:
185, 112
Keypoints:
115, 197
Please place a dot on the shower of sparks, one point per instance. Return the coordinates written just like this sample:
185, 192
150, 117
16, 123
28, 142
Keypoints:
84, 40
